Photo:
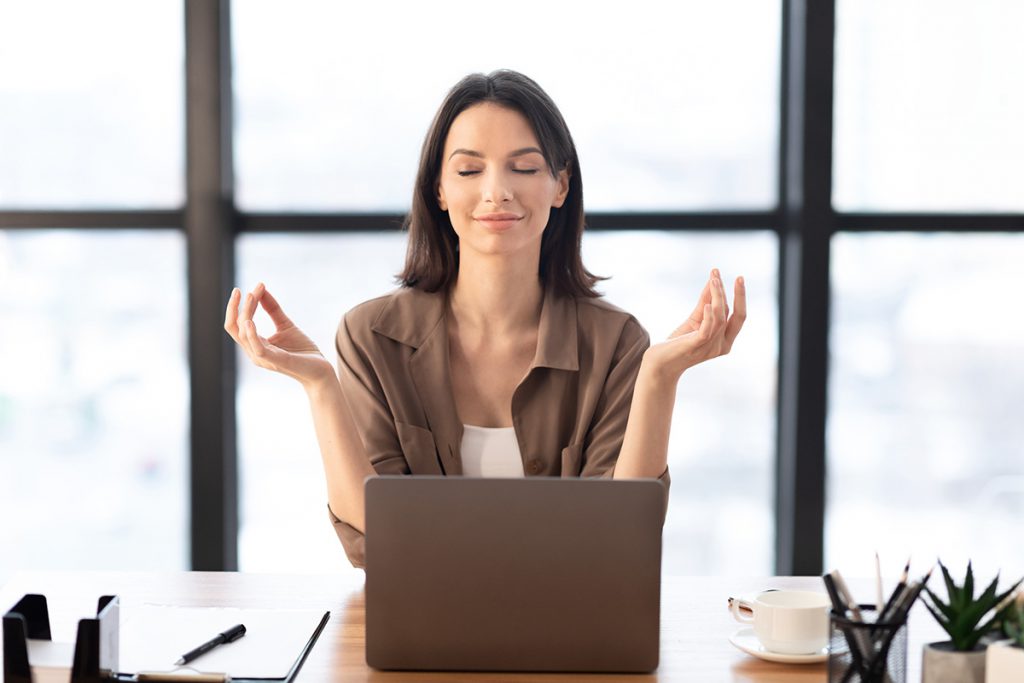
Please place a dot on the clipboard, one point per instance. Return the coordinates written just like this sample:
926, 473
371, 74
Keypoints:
276, 644
100, 654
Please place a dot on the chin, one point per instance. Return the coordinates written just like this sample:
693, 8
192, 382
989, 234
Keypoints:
500, 245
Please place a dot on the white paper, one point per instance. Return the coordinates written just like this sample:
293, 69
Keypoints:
49, 653
153, 638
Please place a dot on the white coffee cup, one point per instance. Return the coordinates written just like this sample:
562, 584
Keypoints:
787, 622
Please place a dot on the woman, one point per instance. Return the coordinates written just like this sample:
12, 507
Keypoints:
496, 357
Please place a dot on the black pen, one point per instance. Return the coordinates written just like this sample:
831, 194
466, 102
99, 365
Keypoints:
232, 634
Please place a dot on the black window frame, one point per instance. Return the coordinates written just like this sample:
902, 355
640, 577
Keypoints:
804, 222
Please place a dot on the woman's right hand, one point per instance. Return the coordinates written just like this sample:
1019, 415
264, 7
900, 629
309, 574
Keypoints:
288, 351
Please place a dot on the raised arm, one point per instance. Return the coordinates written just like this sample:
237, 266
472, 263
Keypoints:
709, 332
292, 353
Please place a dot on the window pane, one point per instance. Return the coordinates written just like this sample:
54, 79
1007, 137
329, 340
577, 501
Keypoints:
93, 400
283, 499
92, 104
720, 517
924, 428
677, 107
721, 451
928, 105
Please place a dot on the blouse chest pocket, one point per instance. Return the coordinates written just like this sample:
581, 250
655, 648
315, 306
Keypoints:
572, 460
418, 448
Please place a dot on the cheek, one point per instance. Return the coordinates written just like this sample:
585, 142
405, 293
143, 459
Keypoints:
547, 190
454, 194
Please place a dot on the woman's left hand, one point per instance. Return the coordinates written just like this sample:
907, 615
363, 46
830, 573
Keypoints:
709, 332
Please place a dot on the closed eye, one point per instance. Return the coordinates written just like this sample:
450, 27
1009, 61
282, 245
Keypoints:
523, 171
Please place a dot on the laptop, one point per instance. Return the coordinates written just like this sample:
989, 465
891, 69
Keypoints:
534, 574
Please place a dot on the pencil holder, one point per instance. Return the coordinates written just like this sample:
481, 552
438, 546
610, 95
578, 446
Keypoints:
866, 651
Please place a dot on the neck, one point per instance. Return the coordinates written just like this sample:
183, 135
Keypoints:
497, 295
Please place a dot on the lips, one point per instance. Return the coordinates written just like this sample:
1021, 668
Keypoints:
498, 221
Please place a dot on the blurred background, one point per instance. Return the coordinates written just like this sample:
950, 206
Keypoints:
679, 113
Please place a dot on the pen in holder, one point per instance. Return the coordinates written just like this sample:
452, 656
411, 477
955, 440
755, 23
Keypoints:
865, 651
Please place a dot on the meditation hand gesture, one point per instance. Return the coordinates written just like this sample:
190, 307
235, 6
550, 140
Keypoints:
288, 351
709, 332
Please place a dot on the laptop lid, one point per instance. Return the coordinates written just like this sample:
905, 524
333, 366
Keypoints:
534, 574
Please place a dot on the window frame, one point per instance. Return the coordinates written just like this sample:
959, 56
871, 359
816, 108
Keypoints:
804, 222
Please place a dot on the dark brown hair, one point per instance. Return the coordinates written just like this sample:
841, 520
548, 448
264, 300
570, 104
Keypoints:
432, 257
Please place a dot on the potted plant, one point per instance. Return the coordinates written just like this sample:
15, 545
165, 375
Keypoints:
962, 616
1004, 660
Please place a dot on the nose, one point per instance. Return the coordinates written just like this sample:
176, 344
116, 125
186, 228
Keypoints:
497, 189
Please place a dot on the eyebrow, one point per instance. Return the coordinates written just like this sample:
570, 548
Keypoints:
517, 153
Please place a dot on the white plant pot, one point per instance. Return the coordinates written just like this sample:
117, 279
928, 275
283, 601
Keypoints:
1004, 663
942, 664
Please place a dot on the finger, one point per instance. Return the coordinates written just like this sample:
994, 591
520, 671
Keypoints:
231, 314
717, 295
707, 324
246, 332
258, 347
705, 298
252, 299
274, 310
244, 316
260, 350
247, 325
739, 314
721, 291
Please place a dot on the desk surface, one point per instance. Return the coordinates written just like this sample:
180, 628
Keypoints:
695, 622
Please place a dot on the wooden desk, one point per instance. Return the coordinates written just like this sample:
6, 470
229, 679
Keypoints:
695, 622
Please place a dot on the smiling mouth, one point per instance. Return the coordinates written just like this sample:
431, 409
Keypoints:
499, 220
503, 216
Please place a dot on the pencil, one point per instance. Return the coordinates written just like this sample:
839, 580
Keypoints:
879, 602
912, 593
838, 606
897, 592
846, 596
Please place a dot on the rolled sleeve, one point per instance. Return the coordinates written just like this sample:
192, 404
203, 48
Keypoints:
608, 429
352, 540
376, 426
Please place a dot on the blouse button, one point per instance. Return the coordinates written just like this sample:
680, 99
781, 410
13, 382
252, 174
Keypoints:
534, 467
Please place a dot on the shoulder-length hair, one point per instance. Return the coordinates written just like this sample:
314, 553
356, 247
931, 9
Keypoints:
432, 256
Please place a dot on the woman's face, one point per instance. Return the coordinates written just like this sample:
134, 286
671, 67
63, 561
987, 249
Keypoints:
495, 183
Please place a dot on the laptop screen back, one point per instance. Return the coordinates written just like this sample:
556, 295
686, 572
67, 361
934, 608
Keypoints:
535, 574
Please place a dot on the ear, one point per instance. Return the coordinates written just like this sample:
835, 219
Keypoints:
563, 188
441, 201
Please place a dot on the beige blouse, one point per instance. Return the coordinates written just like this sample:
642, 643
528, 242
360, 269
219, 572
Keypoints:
569, 411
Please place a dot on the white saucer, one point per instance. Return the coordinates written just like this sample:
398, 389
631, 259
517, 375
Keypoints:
745, 640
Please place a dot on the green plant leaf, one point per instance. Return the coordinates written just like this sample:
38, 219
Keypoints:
950, 586
989, 626
968, 641
946, 610
942, 622
1010, 612
970, 616
962, 616
1015, 628
989, 596
976, 610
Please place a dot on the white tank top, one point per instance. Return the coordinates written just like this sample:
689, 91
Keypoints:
490, 452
